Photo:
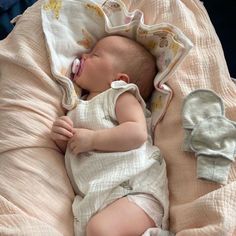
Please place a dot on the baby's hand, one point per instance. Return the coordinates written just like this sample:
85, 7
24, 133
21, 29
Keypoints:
62, 129
82, 141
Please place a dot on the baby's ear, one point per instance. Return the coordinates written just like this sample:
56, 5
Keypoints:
123, 76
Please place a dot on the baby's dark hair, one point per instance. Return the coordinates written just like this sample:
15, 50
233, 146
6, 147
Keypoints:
140, 66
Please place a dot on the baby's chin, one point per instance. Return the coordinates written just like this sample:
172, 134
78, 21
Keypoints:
79, 81
79, 78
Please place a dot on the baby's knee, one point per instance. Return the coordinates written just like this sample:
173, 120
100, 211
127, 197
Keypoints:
97, 226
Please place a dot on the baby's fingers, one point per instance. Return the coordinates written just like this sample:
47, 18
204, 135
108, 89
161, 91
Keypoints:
60, 137
67, 120
63, 124
59, 133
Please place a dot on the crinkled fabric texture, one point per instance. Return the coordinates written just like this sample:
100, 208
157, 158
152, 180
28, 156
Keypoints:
36, 195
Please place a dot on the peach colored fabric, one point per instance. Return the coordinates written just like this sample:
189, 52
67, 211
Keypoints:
35, 193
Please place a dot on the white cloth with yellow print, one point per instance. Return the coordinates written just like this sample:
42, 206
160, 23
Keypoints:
72, 27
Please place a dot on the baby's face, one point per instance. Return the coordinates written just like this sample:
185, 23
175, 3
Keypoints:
98, 68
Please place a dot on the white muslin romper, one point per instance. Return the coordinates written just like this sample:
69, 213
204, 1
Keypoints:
100, 178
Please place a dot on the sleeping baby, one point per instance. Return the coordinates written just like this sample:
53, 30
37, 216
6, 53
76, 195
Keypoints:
118, 175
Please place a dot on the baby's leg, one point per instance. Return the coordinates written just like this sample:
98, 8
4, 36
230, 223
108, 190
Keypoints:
120, 218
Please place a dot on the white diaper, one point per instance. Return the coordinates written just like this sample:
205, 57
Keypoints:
150, 205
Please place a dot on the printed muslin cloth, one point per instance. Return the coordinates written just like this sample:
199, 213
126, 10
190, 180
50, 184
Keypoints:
72, 27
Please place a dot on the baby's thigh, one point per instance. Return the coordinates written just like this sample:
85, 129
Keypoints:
122, 217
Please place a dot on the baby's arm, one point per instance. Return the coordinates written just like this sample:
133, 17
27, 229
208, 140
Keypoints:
62, 131
129, 134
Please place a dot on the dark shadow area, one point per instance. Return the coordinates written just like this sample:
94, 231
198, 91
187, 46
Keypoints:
223, 17
8, 10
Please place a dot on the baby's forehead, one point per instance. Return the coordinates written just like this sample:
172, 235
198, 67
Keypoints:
116, 43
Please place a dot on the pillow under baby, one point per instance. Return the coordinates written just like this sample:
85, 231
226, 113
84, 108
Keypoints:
72, 27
